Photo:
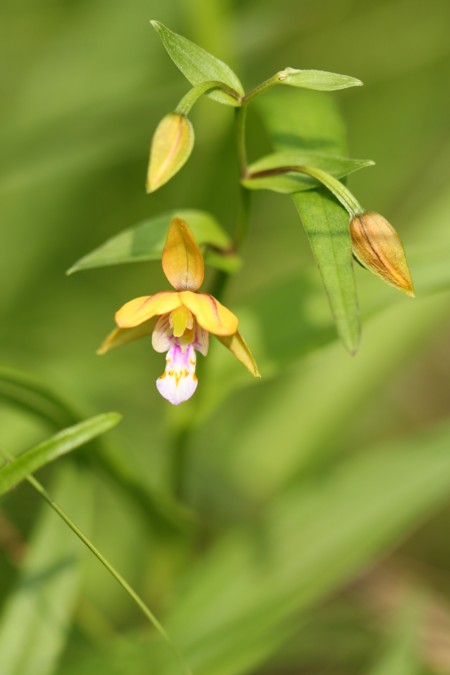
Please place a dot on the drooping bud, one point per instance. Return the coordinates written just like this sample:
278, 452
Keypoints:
377, 246
171, 146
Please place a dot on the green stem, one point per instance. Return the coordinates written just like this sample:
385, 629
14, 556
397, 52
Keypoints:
240, 118
117, 576
192, 96
338, 189
260, 88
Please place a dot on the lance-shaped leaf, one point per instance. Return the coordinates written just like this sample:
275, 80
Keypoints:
272, 171
312, 122
145, 241
62, 443
198, 65
326, 224
320, 80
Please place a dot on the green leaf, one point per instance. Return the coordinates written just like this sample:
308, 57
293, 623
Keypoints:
146, 240
326, 224
308, 123
58, 445
291, 181
320, 80
197, 65
36, 617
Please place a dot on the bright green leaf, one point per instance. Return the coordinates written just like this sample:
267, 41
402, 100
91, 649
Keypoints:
320, 80
291, 181
308, 123
146, 241
58, 445
197, 65
326, 224
36, 617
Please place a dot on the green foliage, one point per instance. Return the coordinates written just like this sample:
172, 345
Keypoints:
197, 65
261, 519
62, 443
319, 80
146, 240
326, 224
36, 617
289, 182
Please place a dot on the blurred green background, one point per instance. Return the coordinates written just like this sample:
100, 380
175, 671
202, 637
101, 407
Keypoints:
324, 459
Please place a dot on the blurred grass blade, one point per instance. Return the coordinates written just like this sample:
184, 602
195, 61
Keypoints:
263, 173
146, 241
320, 80
35, 620
36, 398
403, 645
58, 445
28, 393
112, 571
258, 580
326, 224
198, 65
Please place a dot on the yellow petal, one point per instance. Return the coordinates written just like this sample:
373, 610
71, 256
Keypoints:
238, 347
182, 260
122, 336
141, 309
171, 146
210, 313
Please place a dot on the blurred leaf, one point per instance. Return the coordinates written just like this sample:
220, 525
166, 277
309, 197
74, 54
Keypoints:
159, 510
311, 123
146, 241
62, 443
326, 224
259, 578
320, 80
34, 397
402, 653
303, 120
291, 181
36, 617
197, 65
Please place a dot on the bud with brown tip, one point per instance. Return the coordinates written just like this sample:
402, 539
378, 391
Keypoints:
171, 146
377, 246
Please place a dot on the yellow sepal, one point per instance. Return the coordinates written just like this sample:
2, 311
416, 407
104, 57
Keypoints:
123, 336
182, 260
238, 347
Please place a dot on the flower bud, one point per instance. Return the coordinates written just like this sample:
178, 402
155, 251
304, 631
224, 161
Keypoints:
171, 146
377, 246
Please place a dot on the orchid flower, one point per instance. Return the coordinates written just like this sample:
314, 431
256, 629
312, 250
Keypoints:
185, 318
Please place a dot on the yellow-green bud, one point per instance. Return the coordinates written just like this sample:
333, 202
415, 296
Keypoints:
170, 148
377, 246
